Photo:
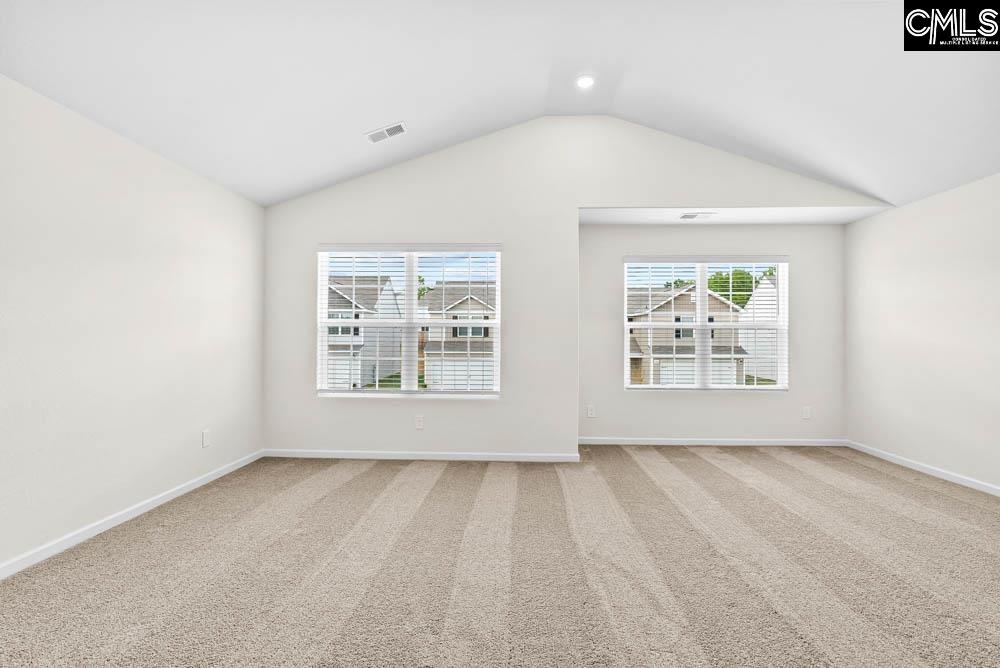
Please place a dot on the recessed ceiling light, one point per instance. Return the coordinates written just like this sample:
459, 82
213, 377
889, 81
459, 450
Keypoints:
584, 81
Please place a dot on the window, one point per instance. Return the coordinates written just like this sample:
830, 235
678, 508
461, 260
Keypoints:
403, 304
684, 333
342, 331
474, 332
735, 317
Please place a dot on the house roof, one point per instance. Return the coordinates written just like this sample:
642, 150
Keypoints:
447, 294
642, 298
363, 291
475, 346
642, 301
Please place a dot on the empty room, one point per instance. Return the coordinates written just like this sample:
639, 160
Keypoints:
499, 334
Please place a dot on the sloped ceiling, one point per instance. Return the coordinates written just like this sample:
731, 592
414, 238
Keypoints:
273, 99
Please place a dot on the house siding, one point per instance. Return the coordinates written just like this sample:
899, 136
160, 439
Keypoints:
647, 370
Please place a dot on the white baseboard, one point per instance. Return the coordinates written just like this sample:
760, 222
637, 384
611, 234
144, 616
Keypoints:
411, 455
58, 545
753, 442
957, 478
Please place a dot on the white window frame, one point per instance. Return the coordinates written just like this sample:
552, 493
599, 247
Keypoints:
704, 330
411, 323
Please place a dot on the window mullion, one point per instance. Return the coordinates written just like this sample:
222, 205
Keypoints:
702, 337
408, 372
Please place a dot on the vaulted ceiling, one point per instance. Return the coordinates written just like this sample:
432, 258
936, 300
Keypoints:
273, 99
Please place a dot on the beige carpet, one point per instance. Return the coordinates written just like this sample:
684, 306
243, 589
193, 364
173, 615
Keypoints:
637, 556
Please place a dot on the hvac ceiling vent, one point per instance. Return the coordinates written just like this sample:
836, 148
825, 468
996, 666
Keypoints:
696, 214
384, 133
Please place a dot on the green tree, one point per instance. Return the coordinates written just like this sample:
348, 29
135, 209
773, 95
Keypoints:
736, 286
422, 288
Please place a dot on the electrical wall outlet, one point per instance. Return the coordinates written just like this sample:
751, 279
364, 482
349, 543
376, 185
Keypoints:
807, 412
591, 411
205, 438
418, 421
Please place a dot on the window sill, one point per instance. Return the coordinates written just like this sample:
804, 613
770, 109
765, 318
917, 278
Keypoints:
682, 388
408, 395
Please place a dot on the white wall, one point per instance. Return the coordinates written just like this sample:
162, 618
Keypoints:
521, 187
130, 320
815, 255
923, 315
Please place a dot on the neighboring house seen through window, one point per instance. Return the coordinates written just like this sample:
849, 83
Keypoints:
702, 324
403, 304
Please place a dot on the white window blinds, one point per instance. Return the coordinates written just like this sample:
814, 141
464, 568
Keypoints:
706, 324
398, 321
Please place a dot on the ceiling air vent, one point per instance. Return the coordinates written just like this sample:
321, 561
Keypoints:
384, 133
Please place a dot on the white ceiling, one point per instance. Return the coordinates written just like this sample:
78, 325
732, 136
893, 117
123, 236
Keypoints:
272, 99
727, 215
